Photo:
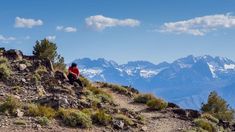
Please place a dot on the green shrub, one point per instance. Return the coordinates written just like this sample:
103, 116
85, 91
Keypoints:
196, 129
75, 118
44, 121
141, 118
101, 118
39, 110
157, 104
3, 60
10, 105
218, 107
124, 118
41, 70
99, 95
85, 82
59, 64
115, 88
94, 100
17, 89
144, 98
88, 111
105, 98
210, 118
119, 89
20, 122
205, 124
95, 90
5, 70
45, 49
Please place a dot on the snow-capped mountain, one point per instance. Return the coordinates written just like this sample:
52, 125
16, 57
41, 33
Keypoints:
186, 81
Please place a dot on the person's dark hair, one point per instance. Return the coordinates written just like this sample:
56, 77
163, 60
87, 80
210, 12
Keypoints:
73, 65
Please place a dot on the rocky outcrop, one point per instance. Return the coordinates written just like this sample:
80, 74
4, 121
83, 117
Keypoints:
188, 114
13, 54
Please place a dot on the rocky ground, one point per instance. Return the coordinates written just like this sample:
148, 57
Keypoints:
32, 81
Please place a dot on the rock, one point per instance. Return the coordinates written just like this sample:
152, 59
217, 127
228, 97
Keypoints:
232, 127
100, 105
224, 124
38, 127
19, 113
13, 54
57, 101
40, 90
23, 80
51, 101
187, 113
17, 97
22, 67
172, 105
144, 128
59, 75
84, 104
193, 113
118, 124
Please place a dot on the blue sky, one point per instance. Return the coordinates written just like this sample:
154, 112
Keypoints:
123, 30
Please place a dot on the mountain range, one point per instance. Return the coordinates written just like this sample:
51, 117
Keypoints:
186, 81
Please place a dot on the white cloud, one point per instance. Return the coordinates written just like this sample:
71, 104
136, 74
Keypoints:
4, 39
66, 29
59, 28
70, 29
51, 38
27, 23
100, 22
199, 26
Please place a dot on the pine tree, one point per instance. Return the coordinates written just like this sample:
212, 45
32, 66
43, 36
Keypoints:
218, 107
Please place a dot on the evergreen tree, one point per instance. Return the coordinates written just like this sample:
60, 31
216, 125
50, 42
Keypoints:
218, 107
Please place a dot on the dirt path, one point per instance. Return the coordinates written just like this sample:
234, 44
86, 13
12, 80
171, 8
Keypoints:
164, 121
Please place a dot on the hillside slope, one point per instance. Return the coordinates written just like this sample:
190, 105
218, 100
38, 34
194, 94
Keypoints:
34, 97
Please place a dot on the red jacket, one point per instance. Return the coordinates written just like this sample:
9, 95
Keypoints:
74, 70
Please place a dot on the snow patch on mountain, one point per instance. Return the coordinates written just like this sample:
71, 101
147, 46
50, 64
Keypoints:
91, 72
212, 69
148, 73
229, 66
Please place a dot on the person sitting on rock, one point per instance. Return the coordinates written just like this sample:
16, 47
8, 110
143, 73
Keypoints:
73, 75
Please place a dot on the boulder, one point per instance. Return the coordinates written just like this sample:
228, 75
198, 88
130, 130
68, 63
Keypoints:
22, 67
144, 128
172, 105
14, 54
19, 113
187, 113
232, 127
59, 75
224, 124
57, 101
118, 124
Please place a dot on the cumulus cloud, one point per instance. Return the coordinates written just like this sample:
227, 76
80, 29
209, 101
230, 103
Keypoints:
199, 26
66, 29
51, 38
100, 22
27, 23
4, 39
